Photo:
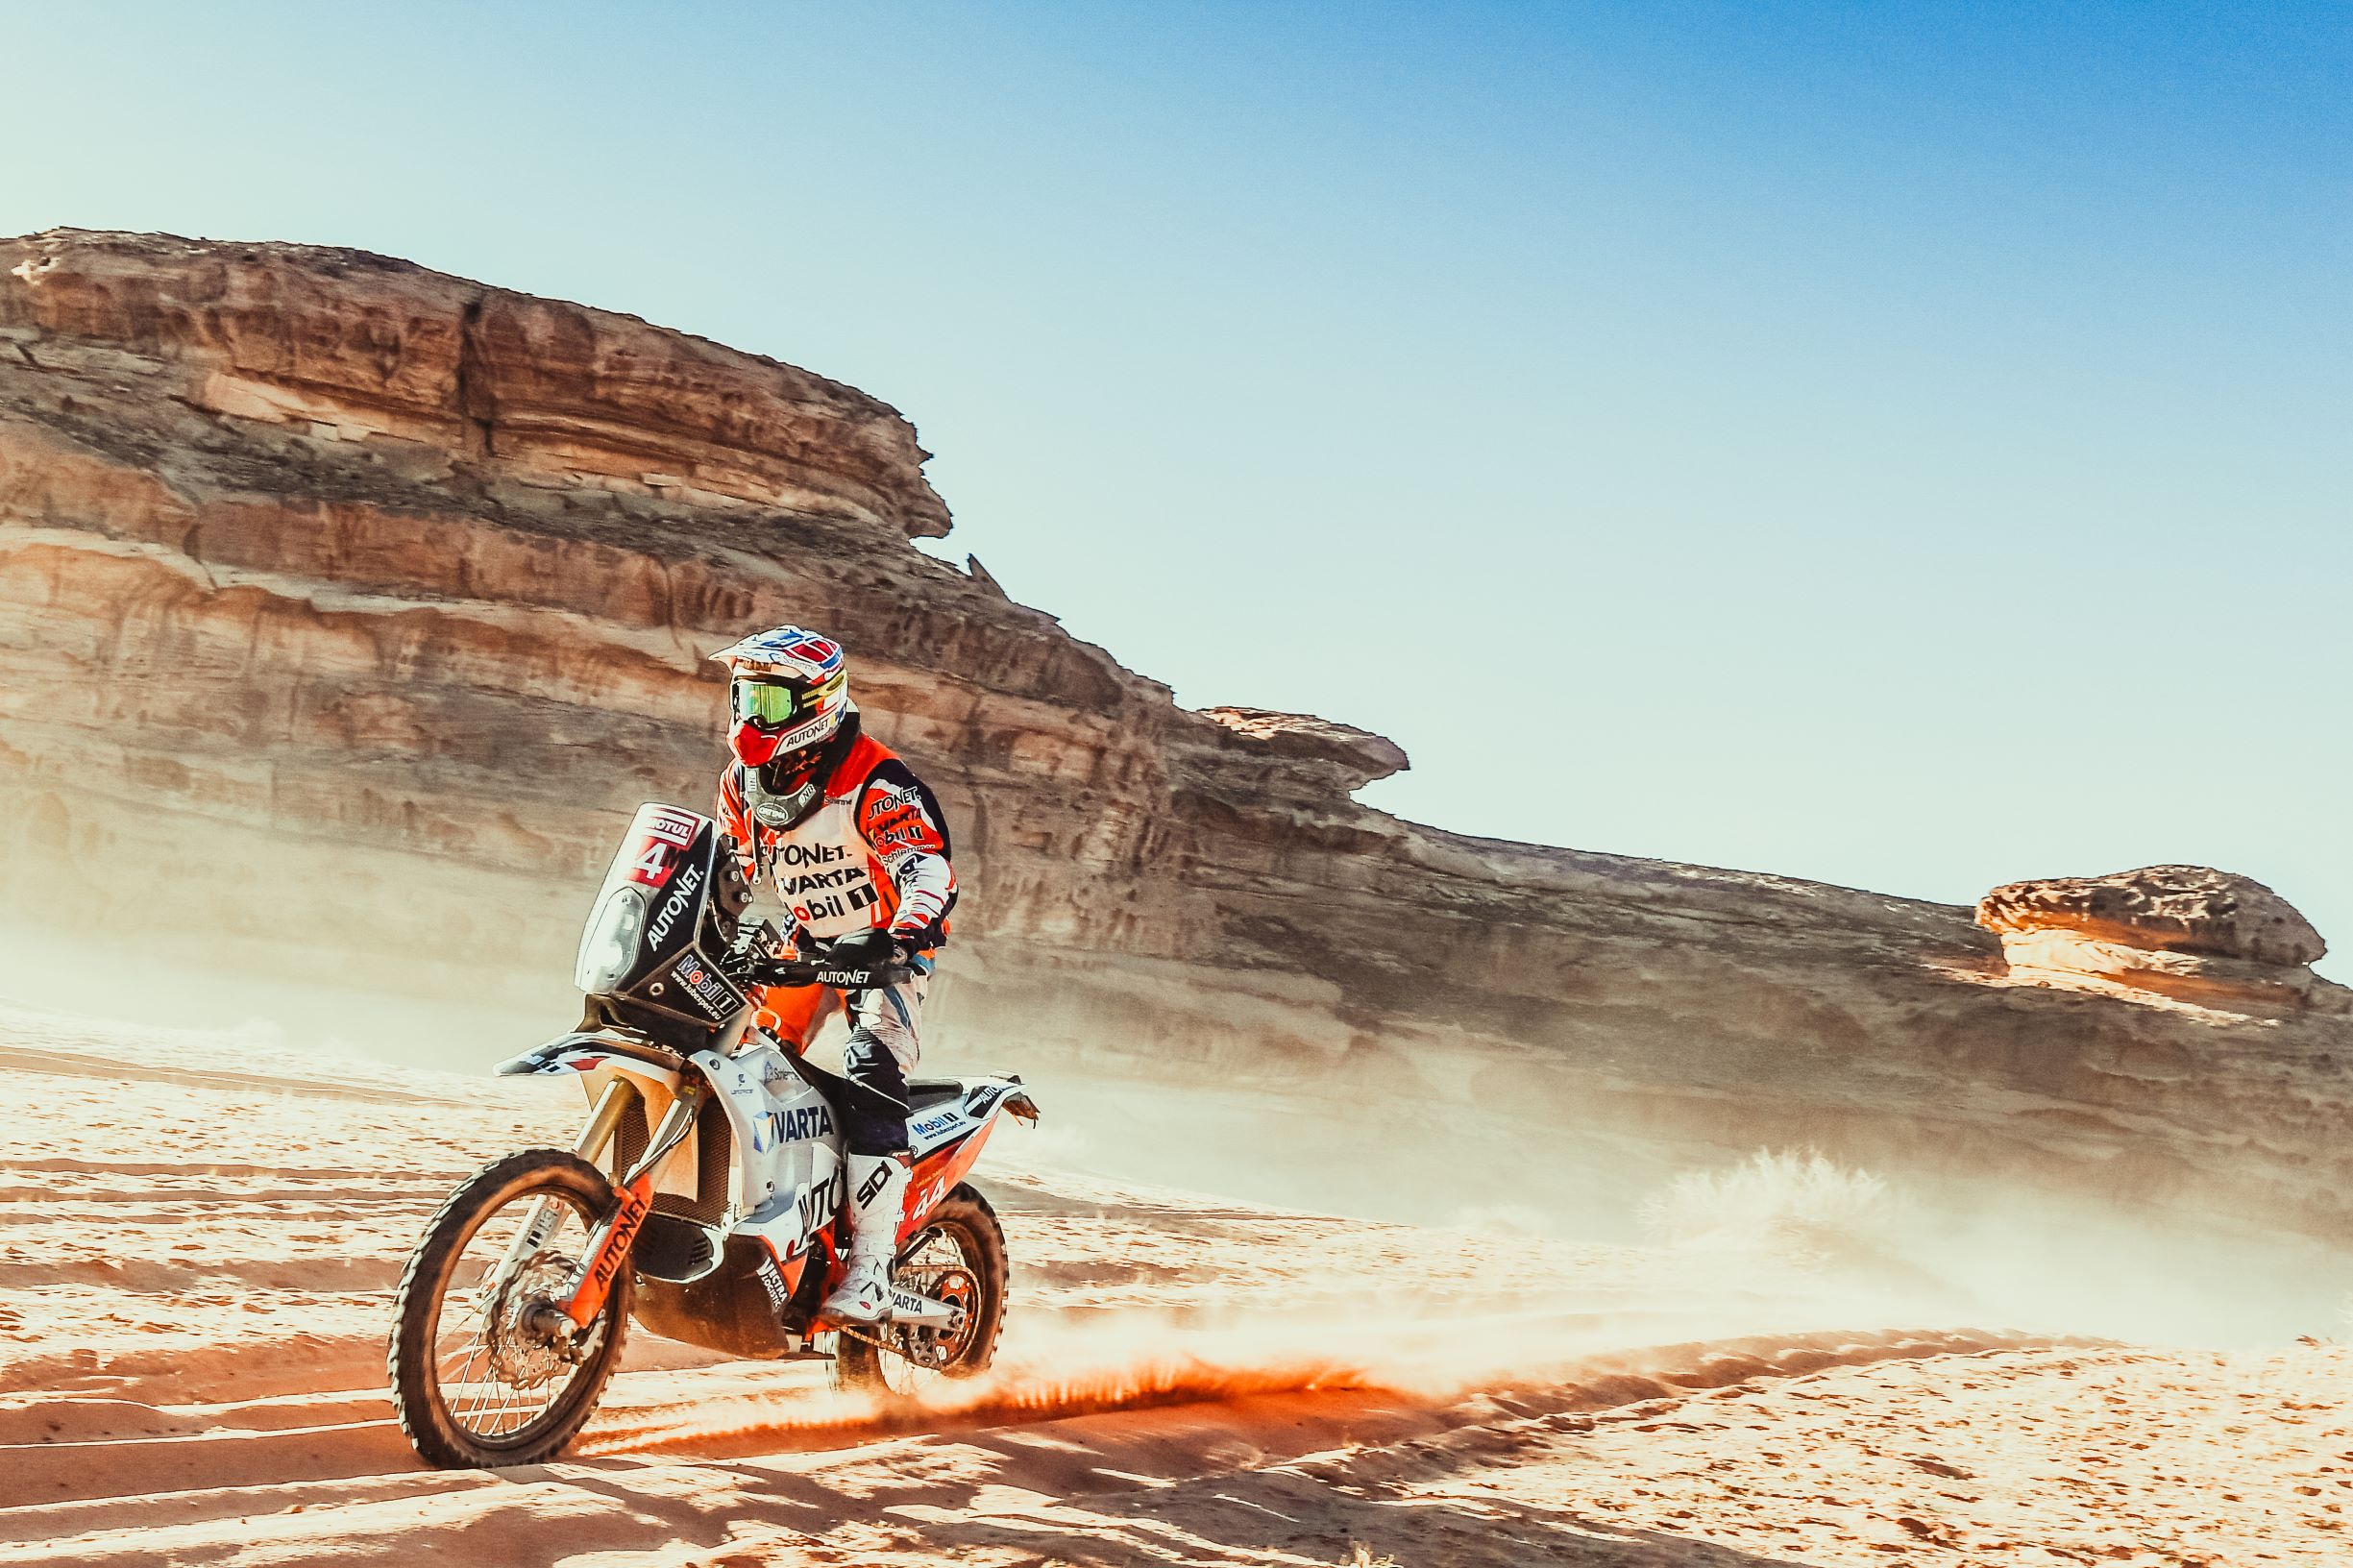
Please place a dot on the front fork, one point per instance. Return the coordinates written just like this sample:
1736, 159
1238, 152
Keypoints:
546, 1213
610, 1242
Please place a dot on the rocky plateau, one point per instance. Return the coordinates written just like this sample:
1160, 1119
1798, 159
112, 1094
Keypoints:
347, 607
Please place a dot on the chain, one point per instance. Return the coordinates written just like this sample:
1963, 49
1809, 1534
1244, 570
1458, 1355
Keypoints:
870, 1339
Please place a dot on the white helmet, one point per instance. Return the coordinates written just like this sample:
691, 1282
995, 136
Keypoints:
788, 698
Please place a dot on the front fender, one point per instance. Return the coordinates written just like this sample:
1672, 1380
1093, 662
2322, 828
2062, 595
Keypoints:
586, 1052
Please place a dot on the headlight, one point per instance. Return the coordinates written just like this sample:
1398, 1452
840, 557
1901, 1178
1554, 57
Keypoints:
609, 945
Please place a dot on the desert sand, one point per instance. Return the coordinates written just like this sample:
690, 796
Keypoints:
199, 1231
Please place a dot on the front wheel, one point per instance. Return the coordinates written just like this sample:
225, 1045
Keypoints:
958, 1256
478, 1378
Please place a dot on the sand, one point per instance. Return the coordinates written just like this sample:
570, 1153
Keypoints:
198, 1233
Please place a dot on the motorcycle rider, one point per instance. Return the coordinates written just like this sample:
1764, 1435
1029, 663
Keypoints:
858, 849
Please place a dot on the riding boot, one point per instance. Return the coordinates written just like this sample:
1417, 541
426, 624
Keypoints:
877, 1200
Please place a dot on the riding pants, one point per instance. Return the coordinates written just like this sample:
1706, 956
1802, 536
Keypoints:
885, 1042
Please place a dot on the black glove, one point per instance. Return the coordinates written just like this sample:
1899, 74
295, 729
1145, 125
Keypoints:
748, 961
873, 948
742, 965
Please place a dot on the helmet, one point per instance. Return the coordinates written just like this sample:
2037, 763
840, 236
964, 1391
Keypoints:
788, 696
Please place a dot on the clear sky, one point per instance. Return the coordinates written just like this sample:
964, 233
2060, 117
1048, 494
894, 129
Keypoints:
1902, 444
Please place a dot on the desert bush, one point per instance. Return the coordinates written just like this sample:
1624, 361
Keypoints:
1785, 1201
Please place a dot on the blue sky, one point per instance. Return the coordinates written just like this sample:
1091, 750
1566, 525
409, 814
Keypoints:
1903, 445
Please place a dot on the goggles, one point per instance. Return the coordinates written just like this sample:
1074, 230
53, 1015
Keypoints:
768, 702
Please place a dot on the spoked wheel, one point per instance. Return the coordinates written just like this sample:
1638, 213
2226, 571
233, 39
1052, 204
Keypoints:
484, 1371
958, 1256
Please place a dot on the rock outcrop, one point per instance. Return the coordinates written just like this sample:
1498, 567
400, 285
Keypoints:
2168, 909
2190, 932
346, 609
346, 346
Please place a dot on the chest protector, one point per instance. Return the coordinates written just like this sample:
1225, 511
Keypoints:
825, 872
832, 850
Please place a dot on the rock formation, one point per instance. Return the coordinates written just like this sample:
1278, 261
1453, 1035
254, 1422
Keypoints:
2185, 931
2173, 909
346, 609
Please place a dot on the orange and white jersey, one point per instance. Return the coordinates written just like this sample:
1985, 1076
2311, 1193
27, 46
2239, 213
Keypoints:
873, 853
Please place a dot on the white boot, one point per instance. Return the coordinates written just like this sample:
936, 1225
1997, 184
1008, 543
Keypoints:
877, 1200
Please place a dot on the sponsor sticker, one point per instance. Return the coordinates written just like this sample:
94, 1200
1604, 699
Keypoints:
818, 1203
653, 864
773, 1127
674, 905
671, 826
773, 1282
709, 989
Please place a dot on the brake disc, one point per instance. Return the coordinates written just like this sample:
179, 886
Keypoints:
523, 1356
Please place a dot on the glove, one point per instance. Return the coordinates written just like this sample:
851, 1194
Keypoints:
752, 958
873, 948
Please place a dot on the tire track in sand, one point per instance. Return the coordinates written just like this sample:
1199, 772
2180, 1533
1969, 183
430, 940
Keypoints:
1267, 1413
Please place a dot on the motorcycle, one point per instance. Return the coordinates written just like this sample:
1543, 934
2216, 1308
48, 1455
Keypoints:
705, 1197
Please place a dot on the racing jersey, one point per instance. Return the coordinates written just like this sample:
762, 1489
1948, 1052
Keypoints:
874, 852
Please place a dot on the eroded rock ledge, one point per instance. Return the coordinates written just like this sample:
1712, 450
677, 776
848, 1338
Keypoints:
2189, 932
1358, 756
346, 609
346, 344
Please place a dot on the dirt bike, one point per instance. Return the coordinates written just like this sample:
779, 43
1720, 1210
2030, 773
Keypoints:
706, 1195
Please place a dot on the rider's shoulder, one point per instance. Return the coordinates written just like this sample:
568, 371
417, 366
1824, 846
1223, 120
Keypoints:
867, 761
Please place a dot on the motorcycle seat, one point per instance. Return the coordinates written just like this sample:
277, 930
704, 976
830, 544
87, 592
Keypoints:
923, 1093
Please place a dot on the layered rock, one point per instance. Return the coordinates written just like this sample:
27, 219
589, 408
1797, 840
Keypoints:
346, 609
1353, 757
2190, 932
346, 346
2172, 909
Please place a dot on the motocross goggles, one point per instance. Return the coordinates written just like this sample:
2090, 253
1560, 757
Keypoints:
771, 703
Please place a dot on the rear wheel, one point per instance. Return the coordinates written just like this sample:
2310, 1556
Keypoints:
958, 1256
481, 1374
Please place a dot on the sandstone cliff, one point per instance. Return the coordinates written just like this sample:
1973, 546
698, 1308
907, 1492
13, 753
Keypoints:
319, 571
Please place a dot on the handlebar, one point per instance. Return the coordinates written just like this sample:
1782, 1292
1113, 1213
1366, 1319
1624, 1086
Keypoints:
794, 973
749, 961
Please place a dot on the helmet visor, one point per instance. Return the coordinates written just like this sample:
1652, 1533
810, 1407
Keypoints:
766, 703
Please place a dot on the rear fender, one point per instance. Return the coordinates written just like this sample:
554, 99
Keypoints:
936, 1176
947, 1141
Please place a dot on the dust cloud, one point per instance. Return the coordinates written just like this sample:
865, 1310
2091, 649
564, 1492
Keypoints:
1536, 1233
1224, 1286
1889, 1244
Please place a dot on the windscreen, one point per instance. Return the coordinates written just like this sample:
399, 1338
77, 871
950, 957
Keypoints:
651, 900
